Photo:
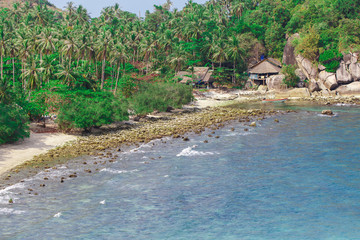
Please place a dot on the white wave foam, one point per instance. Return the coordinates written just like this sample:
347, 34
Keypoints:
10, 211
15, 186
58, 215
344, 104
5, 194
324, 115
102, 202
238, 134
117, 171
188, 152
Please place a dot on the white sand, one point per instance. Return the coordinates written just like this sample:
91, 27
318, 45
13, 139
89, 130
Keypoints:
17, 153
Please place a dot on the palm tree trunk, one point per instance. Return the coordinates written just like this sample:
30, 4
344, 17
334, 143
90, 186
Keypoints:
103, 73
13, 61
117, 80
1, 68
234, 72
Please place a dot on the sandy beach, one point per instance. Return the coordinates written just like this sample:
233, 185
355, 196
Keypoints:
17, 153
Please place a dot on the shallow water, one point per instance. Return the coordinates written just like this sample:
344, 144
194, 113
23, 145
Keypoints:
296, 179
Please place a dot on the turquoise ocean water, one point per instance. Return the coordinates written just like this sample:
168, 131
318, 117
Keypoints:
296, 179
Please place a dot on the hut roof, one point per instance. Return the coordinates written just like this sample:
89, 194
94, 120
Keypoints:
208, 78
200, 74
182, 73
268, 65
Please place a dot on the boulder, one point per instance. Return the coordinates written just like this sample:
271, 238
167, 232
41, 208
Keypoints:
325, 93
329, 80
321, 67
275, 82
350, 89
347, 58
262, 89
289, 51
294, 93
323, 75
253, 124
327, 112
313, 85
306, 66
342, 75
354, 58
321, 85
300, 74
354, 69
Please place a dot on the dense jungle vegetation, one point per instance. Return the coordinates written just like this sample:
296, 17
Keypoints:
91, 71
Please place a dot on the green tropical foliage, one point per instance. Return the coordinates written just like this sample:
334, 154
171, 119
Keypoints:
13, 123
291, 79
57, 54
160, 96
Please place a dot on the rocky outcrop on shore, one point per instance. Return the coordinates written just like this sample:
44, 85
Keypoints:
319, 80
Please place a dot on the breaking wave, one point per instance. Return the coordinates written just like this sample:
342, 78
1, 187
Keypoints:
10, 211
188, 152
117, 171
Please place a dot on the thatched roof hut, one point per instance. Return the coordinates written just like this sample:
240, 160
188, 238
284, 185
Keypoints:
266, 66
200, 74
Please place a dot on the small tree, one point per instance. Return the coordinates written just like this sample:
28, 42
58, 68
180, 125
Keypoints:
13, 123
291, 79
87, 112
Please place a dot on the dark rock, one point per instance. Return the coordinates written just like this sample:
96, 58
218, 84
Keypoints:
169, 109
327, 112
289, 51
186, 139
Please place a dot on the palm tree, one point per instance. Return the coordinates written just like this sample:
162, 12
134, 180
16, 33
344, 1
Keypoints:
13, 53
69, 46
235, 52
67, 75
119, 56
32, 74
103, 45
3, 49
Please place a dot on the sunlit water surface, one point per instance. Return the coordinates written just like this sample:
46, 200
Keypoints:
296, 179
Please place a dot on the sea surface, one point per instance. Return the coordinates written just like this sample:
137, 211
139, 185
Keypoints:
296, 179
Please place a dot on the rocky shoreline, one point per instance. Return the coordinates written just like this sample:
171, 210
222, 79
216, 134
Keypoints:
175, 125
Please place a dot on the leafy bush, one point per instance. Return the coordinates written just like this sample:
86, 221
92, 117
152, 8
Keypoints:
308, 44
13, 123
291, 80
330, 59
91, 111
160, 96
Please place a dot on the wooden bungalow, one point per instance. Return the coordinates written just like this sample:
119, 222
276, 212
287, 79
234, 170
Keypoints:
260, 71
200, 75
